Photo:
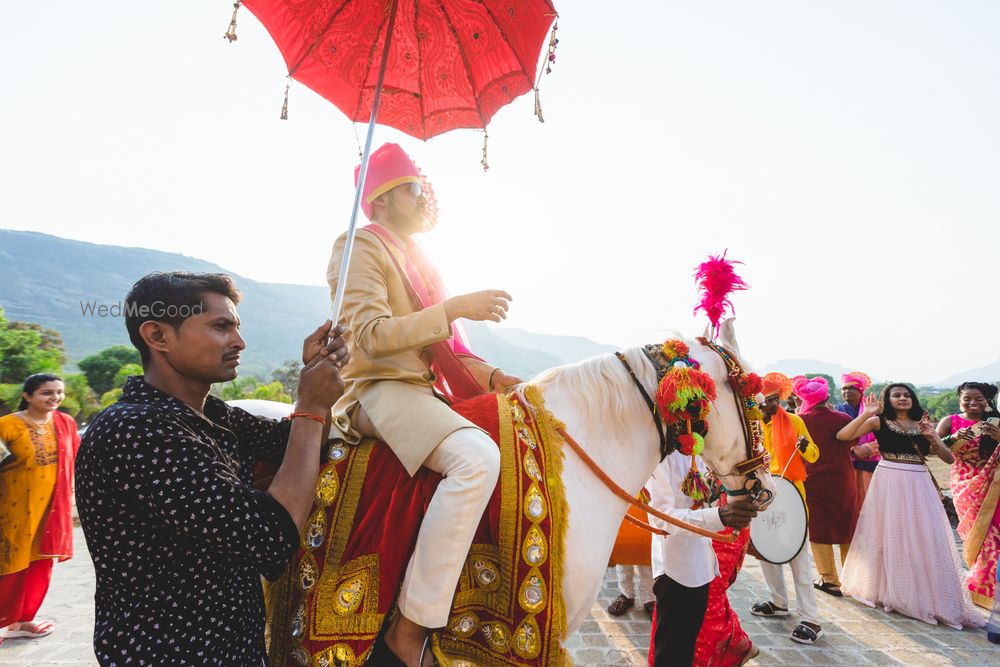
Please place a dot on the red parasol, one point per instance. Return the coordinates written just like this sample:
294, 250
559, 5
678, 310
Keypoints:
421, 66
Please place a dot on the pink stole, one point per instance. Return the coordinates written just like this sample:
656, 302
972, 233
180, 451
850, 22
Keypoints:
423, 282
57, 538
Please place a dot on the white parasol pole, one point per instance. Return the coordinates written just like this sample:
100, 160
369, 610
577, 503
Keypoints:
338, 300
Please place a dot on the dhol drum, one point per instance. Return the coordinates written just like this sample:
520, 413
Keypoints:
779, 533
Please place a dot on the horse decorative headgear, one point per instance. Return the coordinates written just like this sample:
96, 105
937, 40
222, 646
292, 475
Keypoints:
684, 393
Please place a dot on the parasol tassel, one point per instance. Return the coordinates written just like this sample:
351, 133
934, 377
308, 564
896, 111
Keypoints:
231, 33
284, 106
485, 162
538, 106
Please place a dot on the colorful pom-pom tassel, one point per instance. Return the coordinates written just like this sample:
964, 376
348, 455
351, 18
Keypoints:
675, 349
699, 444
686, 442
680, 387
695, 487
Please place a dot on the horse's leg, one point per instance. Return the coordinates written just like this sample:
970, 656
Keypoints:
594, 517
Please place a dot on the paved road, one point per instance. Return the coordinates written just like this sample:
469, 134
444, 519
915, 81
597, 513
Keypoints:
855, 635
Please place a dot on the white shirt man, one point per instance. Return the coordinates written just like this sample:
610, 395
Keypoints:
684, 563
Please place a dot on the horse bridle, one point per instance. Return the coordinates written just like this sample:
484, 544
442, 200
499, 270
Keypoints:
757, 457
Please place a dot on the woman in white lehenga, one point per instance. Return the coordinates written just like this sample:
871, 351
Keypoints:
903, 555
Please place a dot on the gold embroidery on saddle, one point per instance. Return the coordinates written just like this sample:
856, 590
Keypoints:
326, 487
531, 467
349, 596
534, 504
532, 594
334, 656
508, 609
307, 571
524, 622
533, 550
315, 530
527, 643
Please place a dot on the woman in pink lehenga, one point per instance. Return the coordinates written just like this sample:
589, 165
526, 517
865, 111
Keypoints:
903, 556
975, 484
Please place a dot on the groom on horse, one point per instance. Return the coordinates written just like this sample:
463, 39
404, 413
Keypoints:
410, 360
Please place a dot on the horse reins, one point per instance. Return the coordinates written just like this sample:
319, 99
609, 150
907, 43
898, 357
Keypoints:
753, 461
751, 435
634, 502
661, 428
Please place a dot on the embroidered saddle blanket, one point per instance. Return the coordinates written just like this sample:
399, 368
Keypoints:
330, 605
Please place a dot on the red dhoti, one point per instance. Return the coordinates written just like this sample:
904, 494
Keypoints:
721, 641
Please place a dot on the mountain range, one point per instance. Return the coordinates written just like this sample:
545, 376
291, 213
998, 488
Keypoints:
60, 283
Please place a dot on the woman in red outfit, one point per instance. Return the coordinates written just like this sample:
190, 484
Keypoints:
36, 490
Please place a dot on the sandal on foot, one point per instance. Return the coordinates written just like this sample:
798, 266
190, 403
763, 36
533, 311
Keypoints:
620, 605
828, 588
648, 608
751, 654
767, 609
40, 628
806, 633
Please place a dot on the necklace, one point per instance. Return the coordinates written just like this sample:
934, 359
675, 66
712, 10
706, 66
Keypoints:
39, 428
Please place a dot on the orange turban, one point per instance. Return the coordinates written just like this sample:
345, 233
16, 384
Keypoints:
777, 383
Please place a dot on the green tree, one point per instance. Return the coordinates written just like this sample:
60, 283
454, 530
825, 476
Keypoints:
236, 389
10, 396
124, 373
250, 387
940, 405
110, 397
81, 401
271, 392
26, 349
288, 375
101, 368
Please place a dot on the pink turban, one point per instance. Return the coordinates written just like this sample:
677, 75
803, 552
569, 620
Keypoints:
856, 379
388, 167
811, 392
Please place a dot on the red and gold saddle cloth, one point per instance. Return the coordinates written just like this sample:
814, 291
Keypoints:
331, 603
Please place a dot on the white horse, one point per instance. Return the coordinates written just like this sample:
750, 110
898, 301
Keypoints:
605, 413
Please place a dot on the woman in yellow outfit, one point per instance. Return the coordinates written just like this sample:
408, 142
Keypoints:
36, 491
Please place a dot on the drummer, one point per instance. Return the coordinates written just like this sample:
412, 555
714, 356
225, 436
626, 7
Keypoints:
788, 442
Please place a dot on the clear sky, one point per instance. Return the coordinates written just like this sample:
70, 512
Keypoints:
848, 152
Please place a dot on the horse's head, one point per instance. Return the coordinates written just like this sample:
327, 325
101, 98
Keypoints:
732, 450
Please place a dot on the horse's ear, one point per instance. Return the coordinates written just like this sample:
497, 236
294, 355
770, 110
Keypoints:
708, 332
727, 335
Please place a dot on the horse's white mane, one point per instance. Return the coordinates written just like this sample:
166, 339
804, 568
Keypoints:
602, 381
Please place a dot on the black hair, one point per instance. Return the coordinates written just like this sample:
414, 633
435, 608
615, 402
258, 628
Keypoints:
987, 445
171, 298
32, 383
916, 411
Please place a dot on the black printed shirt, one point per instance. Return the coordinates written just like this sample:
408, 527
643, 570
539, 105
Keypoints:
178, 534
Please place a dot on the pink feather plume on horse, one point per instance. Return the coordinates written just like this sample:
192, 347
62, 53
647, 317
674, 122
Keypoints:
717, 280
